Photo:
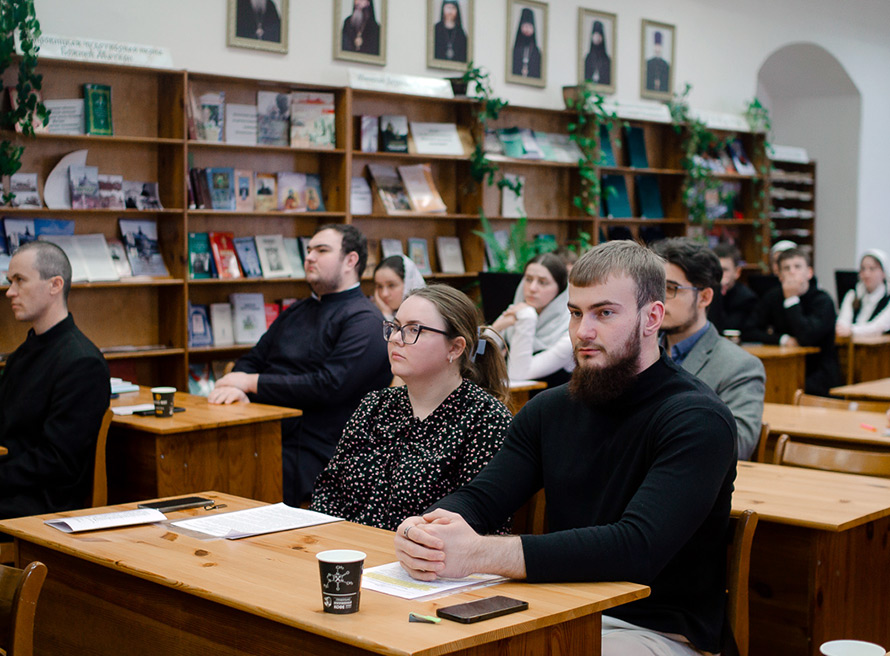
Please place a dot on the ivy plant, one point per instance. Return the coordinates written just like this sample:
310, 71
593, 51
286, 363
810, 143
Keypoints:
584, 130
759, 121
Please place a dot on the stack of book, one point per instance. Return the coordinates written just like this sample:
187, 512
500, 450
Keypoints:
220, 254
406, 189
240, 322
236, 190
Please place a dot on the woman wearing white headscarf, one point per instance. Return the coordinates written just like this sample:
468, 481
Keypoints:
394, 278
865, 310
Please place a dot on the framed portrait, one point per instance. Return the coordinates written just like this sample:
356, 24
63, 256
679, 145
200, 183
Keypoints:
658, 47
596, 49
527, 42
449, 34
360, 31
258, 24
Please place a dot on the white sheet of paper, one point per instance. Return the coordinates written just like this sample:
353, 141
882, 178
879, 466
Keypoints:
255, 521
391, 579
130, 409
107, 520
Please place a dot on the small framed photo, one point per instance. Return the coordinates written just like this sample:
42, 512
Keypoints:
360, 31
657, 60
527, 42
449, 30
597, 48
258, 24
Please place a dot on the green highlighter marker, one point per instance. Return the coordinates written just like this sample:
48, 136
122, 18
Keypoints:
424, 619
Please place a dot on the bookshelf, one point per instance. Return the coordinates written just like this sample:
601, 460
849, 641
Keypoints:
143, 321
792, 194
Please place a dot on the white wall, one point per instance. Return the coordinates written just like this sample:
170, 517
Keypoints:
721, 45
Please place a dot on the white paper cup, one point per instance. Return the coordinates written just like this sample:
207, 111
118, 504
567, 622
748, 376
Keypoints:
734, 336
851, 648
341, 579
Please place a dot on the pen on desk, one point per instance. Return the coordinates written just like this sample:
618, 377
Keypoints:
868, 427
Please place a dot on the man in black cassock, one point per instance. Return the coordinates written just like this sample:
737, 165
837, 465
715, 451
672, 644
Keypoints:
657, 69
526, 54
258, 19
598, 64
450, 39
361, 32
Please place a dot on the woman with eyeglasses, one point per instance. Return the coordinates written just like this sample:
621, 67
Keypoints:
407, 447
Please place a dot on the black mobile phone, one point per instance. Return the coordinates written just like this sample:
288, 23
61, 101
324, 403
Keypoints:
151, 413
180, 503
482, 609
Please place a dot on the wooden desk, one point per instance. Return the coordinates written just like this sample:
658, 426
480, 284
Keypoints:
864, 358
820, 563
519, 392
3, 451
873, 390
234, 448
144, 591
785, 369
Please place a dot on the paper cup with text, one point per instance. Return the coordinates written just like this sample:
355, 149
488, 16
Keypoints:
734, 336
341, 579
163, 398
851, 648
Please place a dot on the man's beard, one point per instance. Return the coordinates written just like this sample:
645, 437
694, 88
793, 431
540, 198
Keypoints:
599, 385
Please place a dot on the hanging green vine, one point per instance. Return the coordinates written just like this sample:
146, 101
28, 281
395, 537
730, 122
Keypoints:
18, 17
759, 122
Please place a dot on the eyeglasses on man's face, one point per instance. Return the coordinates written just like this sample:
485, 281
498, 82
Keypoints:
671, 289
409, 333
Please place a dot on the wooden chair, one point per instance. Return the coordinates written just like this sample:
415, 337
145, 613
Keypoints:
760, 451
738, 566
532, 517
19, 590
838, 404
830, 458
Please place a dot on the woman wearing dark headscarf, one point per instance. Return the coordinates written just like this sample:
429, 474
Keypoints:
598, 64
361, 32
450, 38
526, 54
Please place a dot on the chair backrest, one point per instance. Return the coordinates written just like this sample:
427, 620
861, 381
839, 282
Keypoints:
738, 566
760, 452
844, 281
99, 495
830, 458
19, 590
532, 517
838, 404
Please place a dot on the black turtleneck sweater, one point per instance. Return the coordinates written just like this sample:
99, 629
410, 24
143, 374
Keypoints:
322, 355
637, 490
53, 393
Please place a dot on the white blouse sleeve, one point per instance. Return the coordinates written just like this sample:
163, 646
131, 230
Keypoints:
522, 364
845, 316
877, 326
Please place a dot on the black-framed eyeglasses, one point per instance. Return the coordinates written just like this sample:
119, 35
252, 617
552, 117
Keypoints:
409, 333
671, 289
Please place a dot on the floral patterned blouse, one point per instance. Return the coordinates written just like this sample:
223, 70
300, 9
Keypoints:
390, 465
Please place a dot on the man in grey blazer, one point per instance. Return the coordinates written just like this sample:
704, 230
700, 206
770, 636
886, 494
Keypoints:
693, 276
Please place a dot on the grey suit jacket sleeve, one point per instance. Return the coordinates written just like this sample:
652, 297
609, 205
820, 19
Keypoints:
739, 380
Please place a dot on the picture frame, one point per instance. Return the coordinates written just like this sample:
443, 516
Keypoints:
449, 48
596, 61
658, 43
268, 31
363, 42
526, 54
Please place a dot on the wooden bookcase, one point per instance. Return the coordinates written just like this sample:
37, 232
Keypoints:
793, 203
151, 143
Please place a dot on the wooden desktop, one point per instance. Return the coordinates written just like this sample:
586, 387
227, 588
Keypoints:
785, 369
872, 390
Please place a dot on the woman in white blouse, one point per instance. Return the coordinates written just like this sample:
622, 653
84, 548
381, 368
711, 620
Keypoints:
536, 326
865, 310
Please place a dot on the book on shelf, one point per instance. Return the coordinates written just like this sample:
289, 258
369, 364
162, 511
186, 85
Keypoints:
221, 182
303, 244
740, 160
313, 193
390, 247
211, 116
635, 140
25, 194
223, 248
491, 143
266, 187
390, 190
511, 142
421, 189
53, 227
373, 254
545, 242
558, 147
66, 116
286, 303
273, 118
394, 133
491, 258
111, 192
199, 326
192, 113
649, 196
451, 258
312, 120
97, 109
294, 258
272, 311
83, 186
241, 124
436, 138
221, 324
360, 198
36, 123
246, 249
291, 191
88, 255
199, 256
273, 256
140, 237
18, 232
513, 204
141, 195
616, 203
119, 258
530, 144
370, 132
67, 243
419, 253
248, 317
607, 155
200, 188
244, 191
200, 379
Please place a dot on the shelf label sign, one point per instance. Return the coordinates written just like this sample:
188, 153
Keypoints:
414, 85
640, 111
98, 50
